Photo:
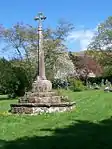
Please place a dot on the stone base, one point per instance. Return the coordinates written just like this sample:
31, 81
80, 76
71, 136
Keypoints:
39, 108
54, 99
43, 97
41, 85
42, 100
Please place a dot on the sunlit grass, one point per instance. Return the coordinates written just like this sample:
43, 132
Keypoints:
92, 106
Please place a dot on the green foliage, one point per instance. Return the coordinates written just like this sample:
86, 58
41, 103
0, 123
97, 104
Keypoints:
24, 40
59, 83
8, 80
76, 85
101, 47
15, 77
107, 71
102, 42
98, 80
21, 76
25, 73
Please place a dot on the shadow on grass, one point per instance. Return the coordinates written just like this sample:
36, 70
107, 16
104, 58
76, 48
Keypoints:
79, 135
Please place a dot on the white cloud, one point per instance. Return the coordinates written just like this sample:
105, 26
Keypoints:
82, 36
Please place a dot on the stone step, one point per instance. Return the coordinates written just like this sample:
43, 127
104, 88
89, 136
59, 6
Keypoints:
43, 104
52, 99
39, 108
42, 94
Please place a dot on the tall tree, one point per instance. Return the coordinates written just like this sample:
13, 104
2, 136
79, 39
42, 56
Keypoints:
24, 40
102, 42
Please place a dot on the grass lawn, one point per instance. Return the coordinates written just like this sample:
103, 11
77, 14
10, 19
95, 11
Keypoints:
89, 126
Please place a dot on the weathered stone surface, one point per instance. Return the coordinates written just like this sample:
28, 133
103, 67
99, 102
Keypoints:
42, 102
43, 94
34, 108
41, 85
36, 99
21, 110
43, 97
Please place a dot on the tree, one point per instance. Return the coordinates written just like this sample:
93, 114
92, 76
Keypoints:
107, 71
13, 77
85, 64
23, 38
102, 42
8, 81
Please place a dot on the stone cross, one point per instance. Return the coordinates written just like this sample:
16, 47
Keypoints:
41, 63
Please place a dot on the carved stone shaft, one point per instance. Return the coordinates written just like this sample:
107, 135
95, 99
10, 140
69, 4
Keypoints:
41, 55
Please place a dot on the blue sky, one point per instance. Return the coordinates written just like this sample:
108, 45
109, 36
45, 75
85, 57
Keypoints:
84, 14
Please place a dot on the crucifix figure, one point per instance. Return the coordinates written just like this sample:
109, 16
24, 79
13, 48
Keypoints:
41, 64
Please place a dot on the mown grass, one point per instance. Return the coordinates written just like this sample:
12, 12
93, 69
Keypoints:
89, 126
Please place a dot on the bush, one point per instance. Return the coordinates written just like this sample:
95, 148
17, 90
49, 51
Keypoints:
107, 71
8, 80
23, 80
76, 85
59, 83
12, 95
98, 80
14, 78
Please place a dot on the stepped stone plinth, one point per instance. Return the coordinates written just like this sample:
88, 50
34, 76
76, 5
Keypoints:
39, 108
41, 99
42, 102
